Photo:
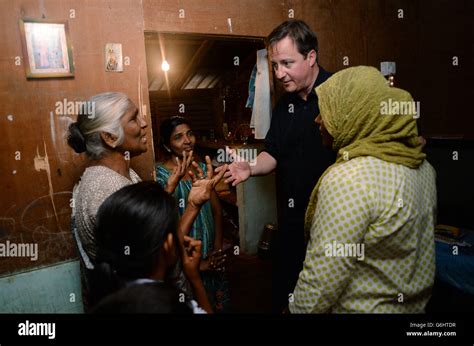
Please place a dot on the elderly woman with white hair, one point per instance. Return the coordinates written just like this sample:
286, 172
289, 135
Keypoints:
110, 133
113, 134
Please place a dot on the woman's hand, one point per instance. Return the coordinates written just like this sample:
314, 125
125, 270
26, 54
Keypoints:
191, 258
179, 171
203, 185
214, 262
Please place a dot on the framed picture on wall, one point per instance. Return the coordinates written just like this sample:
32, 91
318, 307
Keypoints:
46, 49
113, 57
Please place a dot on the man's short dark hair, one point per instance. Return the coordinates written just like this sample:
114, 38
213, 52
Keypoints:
299, 32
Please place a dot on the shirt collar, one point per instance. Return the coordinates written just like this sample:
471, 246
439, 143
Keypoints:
322, 76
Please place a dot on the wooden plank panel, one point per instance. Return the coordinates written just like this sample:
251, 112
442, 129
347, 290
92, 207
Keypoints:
248, 17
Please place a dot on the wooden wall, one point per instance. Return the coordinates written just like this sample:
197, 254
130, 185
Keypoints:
248, 17
36, 190
422, 43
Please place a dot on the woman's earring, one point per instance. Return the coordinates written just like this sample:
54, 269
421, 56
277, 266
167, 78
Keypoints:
167, 149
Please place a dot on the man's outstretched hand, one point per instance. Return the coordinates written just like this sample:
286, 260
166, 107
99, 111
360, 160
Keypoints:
238, 171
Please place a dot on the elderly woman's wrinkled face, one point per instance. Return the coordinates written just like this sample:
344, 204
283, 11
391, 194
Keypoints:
182, 139
134, 128
328, 140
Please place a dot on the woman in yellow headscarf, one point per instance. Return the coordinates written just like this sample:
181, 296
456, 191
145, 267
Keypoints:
371, 216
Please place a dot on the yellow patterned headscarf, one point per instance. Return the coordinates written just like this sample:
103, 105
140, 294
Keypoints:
367, 117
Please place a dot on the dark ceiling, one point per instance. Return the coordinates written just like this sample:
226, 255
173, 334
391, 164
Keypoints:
196, 61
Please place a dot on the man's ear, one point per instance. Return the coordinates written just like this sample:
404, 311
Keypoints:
109, 139
312, 55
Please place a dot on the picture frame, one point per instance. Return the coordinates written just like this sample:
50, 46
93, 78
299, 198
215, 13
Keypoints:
47, 49
113, 57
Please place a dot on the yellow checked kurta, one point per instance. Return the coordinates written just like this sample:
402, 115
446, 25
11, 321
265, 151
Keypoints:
390, 209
